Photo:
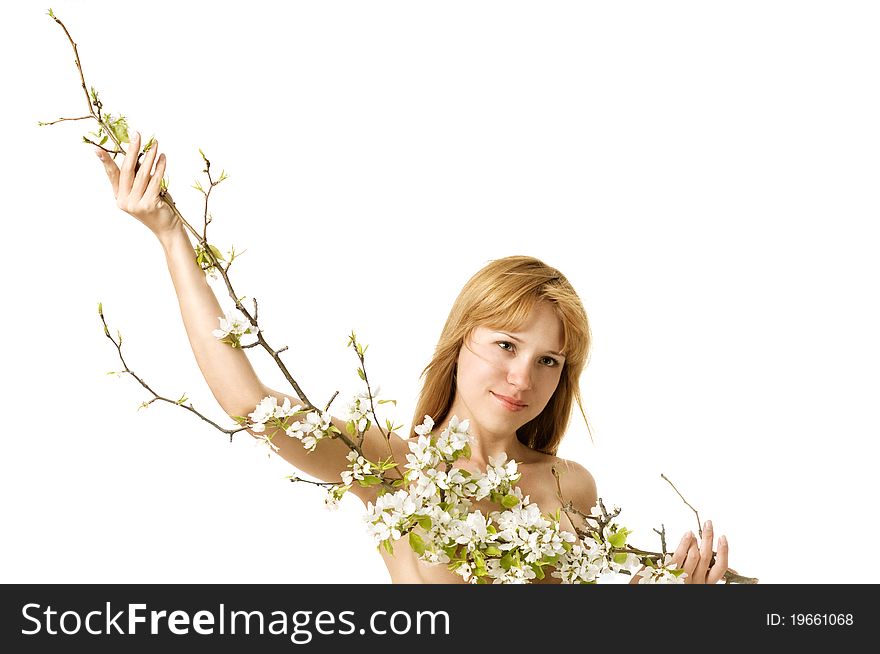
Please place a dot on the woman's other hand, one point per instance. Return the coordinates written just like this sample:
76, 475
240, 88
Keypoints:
137, 193
696, 557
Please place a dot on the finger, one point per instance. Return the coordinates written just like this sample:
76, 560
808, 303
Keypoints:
718, 570
705, 550
156, 181
142, 178
126, 173
110, 168
690, 564
681, 552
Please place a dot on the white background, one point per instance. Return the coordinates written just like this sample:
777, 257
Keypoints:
704, 173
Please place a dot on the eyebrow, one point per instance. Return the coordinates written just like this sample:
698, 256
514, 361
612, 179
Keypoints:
519, 340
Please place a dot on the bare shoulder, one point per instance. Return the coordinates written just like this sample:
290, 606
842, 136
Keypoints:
577, 484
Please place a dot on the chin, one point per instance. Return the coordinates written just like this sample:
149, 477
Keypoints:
501, 421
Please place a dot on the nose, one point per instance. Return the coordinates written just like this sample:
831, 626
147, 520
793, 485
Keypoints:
519, 374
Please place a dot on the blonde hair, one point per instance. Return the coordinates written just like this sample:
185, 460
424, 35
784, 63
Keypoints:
501, 296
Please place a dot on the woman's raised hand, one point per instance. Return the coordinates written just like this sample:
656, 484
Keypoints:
137, 192
695, 557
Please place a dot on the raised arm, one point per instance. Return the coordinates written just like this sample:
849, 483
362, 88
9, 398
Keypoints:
227, 370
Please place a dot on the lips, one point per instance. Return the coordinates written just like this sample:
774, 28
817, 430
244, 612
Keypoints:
508, 402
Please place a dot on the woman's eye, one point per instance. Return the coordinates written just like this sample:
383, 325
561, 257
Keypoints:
549, 361
506, 345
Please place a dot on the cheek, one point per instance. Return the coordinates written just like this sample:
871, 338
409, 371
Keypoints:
551, 382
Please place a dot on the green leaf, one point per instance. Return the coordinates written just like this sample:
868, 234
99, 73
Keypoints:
618, 539
510, 500
217, 254
388, 547
425, 522
350, 428
466, 451
119, 128
361, 374
394, 402
416, 543
369, 480
492, 550
506, 561
619, 557
539, 570
387, 464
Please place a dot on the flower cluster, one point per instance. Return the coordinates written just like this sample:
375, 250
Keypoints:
358, 411
433, 507
666, 573
232, 327
359, 468
513, 544
315, 427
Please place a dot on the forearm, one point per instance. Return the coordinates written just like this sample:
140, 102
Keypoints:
227, 370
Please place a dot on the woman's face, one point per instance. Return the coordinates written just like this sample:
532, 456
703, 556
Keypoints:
505, 378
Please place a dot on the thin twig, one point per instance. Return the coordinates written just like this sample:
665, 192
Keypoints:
699, 527
156, 396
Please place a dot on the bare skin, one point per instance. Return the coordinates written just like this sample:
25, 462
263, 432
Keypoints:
504, 380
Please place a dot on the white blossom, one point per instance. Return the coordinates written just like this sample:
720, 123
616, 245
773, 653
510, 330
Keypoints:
233, 326
358, 410
662, 574
422, 454
454, 437
359, 468
331, 502
315, 427
269, 411
425, 428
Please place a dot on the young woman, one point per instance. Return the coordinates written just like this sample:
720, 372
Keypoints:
509, 360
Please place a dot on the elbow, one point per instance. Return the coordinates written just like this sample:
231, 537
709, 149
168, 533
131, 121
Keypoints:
244, 404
